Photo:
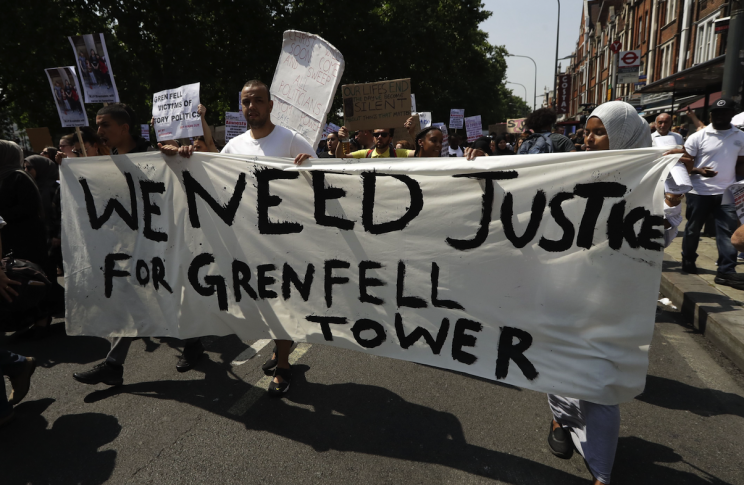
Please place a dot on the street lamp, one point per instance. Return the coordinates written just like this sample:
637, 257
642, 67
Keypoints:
534, 100
525, 90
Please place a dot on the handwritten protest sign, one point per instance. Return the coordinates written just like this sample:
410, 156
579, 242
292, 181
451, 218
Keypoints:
235, 125
515, 126
96, 73
145, 132
305, 81
734, 194
473, 127
456, 118
174, 113
384, 104
405, 258
425, 119
66, 93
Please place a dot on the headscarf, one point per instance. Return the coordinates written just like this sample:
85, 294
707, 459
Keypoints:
11, 158
499, 151
625, 128
47, 173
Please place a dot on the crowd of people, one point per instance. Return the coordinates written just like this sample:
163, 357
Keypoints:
712, 159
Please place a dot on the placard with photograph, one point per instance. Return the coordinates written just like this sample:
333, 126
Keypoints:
96, 72
66, 93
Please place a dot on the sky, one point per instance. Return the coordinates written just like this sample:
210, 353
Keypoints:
527, 28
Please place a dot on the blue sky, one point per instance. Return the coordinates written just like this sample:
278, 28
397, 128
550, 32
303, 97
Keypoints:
527, 27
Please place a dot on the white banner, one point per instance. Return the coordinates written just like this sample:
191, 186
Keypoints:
66, 93
473, 127
540, 271
456, 118
174, 113
304, 84
235, 125
96, 72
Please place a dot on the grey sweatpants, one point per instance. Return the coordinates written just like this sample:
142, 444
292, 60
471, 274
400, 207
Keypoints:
594, 428
120, 348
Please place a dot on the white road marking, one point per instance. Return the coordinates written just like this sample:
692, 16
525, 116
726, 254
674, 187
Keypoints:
250, 352
258, 390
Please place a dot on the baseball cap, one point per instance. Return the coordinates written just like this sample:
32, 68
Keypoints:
723, 103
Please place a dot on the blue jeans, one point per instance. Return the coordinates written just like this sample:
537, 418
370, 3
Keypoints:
699, 207
10, 365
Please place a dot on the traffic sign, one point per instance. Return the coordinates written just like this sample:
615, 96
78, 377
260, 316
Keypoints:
629, 59
616, 46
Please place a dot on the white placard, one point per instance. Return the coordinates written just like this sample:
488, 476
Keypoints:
145, 132
413, 104
305, 81
96, 72
556, 292
425, 119
456, 118
174, 113
235, 125
445, 138
66, 94
473, 127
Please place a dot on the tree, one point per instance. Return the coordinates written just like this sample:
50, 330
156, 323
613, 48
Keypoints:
161, 44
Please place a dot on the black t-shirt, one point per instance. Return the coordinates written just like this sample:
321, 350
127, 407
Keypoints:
325, 155
141, 146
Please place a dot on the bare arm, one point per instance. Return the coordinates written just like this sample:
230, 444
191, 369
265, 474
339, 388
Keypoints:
738, 239
211, 147
342, 133
699, 125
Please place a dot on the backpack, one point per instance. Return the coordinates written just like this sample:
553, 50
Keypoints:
536, 143
24, 310
392, 152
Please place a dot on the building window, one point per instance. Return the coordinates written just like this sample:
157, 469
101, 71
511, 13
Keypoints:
671, 11
705, 40
667, 59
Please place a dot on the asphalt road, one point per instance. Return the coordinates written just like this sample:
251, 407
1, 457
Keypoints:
350, 418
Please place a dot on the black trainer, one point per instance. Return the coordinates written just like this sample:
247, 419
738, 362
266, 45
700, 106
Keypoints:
278, 389
559, 441
270, 364
191, 354
103, 373
734, 280
689, 267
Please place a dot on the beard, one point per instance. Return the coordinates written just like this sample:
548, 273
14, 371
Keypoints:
257, 122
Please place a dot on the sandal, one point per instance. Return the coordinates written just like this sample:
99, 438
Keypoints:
269, 365
278, 389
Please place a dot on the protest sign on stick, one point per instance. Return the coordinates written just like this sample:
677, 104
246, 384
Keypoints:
423, 260
330, 128
174, 113
305, 81
96, 72
235, 125
473, 127
384, 104
65, 90
456, 118
515, 126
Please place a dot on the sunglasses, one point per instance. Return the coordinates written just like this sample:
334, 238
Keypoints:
384, 133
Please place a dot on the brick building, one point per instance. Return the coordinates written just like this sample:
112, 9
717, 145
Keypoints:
682, 45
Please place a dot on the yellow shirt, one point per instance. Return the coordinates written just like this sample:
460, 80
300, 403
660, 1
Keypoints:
399, 153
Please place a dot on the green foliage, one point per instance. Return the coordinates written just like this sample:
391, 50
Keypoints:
160, 44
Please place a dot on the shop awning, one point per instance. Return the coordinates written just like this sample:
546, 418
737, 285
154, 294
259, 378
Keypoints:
699, 104
706, 77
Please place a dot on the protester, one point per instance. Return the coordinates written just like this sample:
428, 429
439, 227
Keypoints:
264, 138
17, 368
454, 145
383, 144
594, 428
719, 147
67, 145
405, 144
429, 143
21, 207
500, 147
93, 144
204, 143
331, 144
365, 139
579, 140
482, 144
699, 125
50, 153
542, 140
114, 122
663, 136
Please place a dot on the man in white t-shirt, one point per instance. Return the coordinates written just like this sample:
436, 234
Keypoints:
263, 138
454, 146
663, 136
719, 147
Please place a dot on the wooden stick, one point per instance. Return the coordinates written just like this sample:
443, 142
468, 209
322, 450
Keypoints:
80, 139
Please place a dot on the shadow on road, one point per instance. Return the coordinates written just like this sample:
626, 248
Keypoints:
57, 348
671, 394
66, 453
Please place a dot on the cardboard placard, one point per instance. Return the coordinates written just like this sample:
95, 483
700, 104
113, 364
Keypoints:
384, 104
40, 138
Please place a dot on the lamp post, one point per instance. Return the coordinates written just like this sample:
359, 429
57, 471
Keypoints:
525, 90
557, 39
534, 99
